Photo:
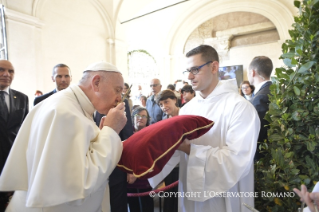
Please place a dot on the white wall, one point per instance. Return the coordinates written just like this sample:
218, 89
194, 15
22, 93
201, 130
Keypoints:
76, 33
24, 51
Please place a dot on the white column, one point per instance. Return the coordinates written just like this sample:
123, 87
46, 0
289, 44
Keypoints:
110, 54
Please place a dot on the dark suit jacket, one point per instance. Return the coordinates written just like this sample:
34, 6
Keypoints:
261, 103
117, 175
19, 108
43, 97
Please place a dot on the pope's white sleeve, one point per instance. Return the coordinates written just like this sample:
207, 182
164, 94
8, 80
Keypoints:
219, 168
174, 160
101, 158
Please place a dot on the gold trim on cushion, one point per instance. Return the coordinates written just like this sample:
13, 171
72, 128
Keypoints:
151, 169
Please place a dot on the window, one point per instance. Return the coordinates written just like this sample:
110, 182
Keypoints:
3, 34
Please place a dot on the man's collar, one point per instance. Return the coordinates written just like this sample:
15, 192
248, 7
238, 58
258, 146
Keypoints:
7, 89
258, 87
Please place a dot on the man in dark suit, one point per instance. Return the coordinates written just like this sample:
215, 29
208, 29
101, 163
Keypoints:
14, 107
259, 75
118, 178
61, 75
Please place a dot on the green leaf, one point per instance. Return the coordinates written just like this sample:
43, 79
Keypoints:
303, 176
296, 116
273, 106
290, 131
294, 61
295, 171
297, 90
316, 109
299, 51
267, 117
307, 181
317, 132
311, 145
289, 155
302, 137
306, 67
288, 55
276, 137
310, 163
311, 37
288, 62
297, 4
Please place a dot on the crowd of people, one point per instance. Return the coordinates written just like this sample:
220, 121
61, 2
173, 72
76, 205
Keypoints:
62, 155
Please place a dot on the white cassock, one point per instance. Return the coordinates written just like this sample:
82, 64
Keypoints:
61, 160
222, 159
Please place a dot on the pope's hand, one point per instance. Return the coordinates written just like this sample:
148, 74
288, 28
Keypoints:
116, 118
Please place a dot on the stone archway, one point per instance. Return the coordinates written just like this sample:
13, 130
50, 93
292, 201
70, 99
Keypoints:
275, 11
278, 13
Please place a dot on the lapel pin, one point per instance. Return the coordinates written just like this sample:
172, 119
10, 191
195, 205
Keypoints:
14, 97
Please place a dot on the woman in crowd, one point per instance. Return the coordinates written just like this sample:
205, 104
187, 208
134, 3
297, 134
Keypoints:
126, 87
168, 103
140, 120
246, 90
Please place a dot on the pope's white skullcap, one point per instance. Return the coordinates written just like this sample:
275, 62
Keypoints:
102, 66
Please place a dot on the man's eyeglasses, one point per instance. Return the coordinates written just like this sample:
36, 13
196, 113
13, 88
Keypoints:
138, 116
195, 70
154, 85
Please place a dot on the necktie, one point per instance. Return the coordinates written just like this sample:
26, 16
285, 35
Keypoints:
3, 107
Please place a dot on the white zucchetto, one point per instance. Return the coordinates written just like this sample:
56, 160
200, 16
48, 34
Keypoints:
102, 66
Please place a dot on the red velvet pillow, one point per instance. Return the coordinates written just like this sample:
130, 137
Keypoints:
146, 152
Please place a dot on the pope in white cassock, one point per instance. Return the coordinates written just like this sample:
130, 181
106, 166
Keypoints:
61, 160
222, 159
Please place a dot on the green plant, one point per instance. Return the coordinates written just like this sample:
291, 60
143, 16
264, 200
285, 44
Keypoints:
291, 154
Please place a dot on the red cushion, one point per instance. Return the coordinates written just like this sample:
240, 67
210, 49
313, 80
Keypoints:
146, 152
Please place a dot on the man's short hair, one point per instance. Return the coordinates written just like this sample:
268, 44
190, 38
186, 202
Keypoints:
171, 87
60, 65
262, 65
38, 91
165, 94
208, 53
144, 97
187, 88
